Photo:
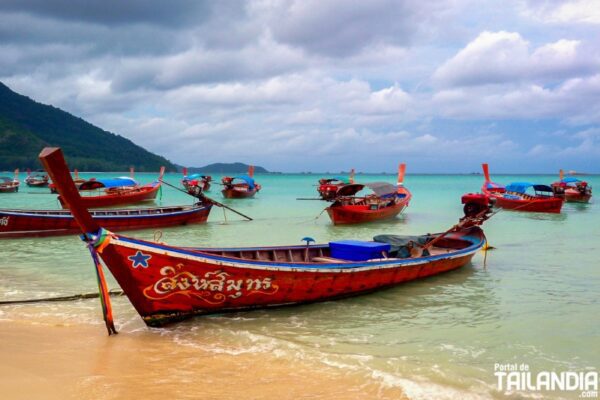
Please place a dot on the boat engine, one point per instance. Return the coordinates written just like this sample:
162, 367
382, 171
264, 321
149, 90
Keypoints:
476, 203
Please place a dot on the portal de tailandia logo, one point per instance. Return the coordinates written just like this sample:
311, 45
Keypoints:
515, 377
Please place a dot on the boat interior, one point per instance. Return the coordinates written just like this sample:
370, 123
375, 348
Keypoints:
323, 254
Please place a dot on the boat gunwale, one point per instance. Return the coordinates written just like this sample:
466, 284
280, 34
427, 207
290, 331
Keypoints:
66, 214
190, 253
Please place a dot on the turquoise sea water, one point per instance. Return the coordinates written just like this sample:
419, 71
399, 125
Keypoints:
535, 301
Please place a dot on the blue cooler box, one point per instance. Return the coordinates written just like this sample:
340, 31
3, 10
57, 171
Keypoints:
355, 250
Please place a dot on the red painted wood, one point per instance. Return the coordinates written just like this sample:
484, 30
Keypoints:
117, 198
574, 195
354, 214
528, 204
239, 191
27, 223
54, 162
174, 286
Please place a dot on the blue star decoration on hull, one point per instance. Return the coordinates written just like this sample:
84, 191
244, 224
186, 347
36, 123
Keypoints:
139, 259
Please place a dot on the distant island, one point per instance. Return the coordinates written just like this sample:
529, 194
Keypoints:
26, 127
224, 168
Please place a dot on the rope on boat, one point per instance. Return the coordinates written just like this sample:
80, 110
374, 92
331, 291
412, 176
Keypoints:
82, 296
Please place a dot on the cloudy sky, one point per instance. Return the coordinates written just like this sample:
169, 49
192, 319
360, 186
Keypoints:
322, 84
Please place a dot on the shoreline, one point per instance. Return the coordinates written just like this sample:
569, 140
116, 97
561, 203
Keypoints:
71, 361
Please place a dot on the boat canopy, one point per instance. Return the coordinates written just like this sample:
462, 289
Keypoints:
107, 183
350, 190
521, 187
381, 188
248, 180
570, 180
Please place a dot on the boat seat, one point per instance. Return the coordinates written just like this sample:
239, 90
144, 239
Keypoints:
328, 260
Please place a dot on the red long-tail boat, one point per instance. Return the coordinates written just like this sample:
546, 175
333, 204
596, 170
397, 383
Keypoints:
113, 194
515, 197
28, 223
37, 179
196, 183
328, 187
386, 201
572, 189
240, 187
10, 185
167, 283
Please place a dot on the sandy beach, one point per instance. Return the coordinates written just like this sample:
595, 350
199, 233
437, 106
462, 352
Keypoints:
53, 361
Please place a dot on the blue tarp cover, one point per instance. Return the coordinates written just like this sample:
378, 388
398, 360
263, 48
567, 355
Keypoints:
570, 180
246, 179
521, 187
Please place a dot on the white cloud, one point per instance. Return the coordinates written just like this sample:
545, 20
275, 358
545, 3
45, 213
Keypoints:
505, 57
564, 11
576, 101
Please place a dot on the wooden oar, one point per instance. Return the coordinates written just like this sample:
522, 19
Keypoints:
201, 196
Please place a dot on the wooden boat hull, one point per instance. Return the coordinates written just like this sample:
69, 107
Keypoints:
531, 204
361, 213
37, 183
575, 196
233, 193
167, 284
9, 189
137, 195
27, 223
356, 214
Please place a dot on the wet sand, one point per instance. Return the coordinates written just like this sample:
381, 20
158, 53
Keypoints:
50, 361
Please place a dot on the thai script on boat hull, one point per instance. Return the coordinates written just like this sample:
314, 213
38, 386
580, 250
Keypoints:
214, 287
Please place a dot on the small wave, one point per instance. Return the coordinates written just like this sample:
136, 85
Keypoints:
416, 390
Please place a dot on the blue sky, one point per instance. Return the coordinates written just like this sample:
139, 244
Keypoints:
442, 85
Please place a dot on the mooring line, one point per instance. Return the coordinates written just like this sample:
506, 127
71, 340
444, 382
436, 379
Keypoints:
83, 296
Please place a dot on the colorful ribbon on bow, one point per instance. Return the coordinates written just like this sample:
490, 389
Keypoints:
96, 244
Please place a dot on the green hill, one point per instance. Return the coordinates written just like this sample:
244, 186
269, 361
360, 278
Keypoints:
27, 126
226, 168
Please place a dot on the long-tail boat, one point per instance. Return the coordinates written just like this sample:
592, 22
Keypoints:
28, 223
572, 189
37, 179
116, 191
196, 183
10, 185
168, 283
328, 187
240, 187
386, 201
515, 197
